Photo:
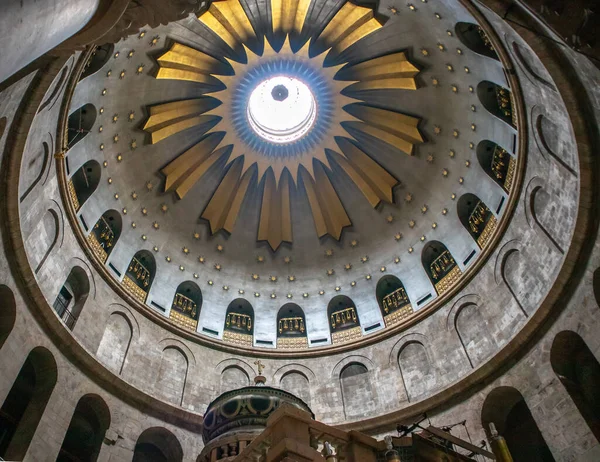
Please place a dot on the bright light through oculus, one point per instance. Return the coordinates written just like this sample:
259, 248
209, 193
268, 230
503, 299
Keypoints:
281, 109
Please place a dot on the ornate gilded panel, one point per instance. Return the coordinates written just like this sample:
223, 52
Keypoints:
134, 289
346, 335
237, 338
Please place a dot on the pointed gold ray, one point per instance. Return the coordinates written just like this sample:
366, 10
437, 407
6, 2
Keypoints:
275, 224
184, 63
371, 178
389, 71
170, 118
228, 20
350, 24
224, 206
289, 15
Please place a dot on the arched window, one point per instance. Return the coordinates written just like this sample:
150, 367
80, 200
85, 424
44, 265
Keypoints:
297, 384
8, 313
140, 274
418, 374
579, 371
393, 301
83, 183
477, 218
344, 324
475, 38
498, 101
239, 323
508, 411
291, 327
85, 434
80, 123
72, 297
105, 234
157, 444
357, 394
25, 403
440, 266
97, 60
185, 310
232, 378
497, 163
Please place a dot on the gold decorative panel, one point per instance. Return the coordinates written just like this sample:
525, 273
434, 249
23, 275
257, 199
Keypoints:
346, 335
292, 343
97, 248
448, 280
486, 235
73, 195
183, 321
397, 299
237, 338
510, 174
396, 316
238, 321
134, 289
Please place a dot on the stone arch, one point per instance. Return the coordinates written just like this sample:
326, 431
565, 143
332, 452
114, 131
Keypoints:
497, 162
440, 266
8, 313
84, 183
44, 238
61, 82
475, 39
233, 377
393, 300
105, 234
3, 124
72, 296
115, 341
97, 60
537, 201
477, 218
186, 306
37, 169
157, 444
239, 323
416, 368
358, 394
291, 327
140, 275
472, 330
80, 123
86, 431
507, 260
579, 371
497, 100
545, 135
523, 57
506, 408
26, 401
172, 374
279, 373
248, 369
296, 383
344, 323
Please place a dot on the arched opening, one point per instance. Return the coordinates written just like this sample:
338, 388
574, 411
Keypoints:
579, 371
475, 39
8, 313
297, 384
477, 218
239, 323
344, 324
85, 434
440, 266
393, 301
416, 369
97, 60
72, 296
596, 285
35, 170
80, 123
43, 239
25, 403
232, 378
140, 275
83, 183
115, 342
291, 327
473, 333
105, 234
157, 445
497, 163
357, 394
185, 310
172, 375
498, 101
506, 408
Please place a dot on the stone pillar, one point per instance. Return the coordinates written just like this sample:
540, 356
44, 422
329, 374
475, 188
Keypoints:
30, 28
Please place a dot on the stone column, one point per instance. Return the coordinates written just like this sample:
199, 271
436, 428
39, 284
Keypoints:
30, 28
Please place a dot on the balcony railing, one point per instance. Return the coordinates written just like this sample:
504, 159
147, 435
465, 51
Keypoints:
66, 316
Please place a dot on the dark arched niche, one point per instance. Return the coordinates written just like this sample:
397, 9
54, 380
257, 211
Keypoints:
8, 313
393, 301
291, 327
72, 296
84, 182
85, 434
97, 60
579, 371
497, 163
239, 323
498, 101
344, 323
105, 234
80, 123
25, 403
357, 394
506, 408
35, 169
140, 275
440, 266
477, 218
475, 39
596, 285
187, 302
157, 445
